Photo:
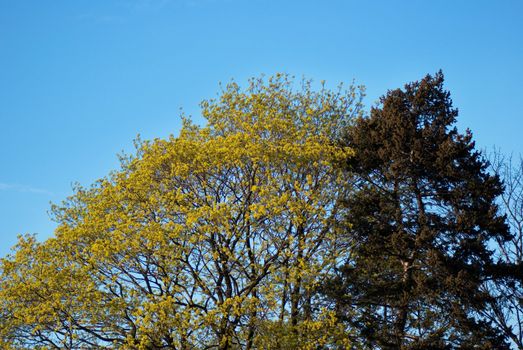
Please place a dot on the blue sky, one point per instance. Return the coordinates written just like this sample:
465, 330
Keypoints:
80, 79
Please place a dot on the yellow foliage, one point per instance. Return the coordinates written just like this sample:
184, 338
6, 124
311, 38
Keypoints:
198, 239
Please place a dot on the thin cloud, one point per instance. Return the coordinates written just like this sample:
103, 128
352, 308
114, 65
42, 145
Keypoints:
140, 5
127, 8
23, 189
90, 17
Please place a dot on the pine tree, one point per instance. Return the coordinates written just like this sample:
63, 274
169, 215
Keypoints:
421, 221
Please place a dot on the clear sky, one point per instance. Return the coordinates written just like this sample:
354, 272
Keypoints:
80, 79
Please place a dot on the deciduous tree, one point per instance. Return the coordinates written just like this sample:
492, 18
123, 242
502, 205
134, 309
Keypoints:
506, 308
200, 241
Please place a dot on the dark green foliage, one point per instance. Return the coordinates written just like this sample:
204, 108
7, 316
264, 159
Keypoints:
420, 224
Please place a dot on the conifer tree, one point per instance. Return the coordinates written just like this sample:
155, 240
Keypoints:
421, 221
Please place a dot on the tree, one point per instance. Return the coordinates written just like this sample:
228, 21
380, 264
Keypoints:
422, 217
506, 308
201, 241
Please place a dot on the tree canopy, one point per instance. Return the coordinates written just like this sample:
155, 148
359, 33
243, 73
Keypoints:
291, 220
422, 217
211, 239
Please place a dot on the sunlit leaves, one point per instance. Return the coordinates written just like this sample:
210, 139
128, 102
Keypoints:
199, 239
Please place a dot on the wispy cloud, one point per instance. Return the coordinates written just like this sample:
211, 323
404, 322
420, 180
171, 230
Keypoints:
23, 188
140, 6
101, 18
123, 11
148, 4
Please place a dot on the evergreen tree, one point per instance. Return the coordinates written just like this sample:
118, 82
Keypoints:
421, 221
